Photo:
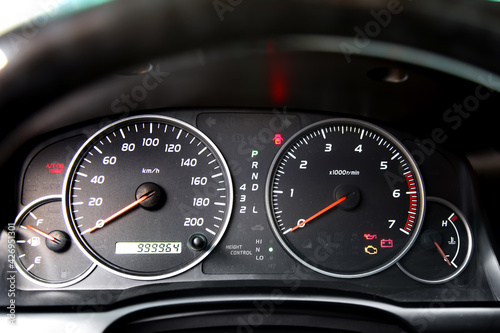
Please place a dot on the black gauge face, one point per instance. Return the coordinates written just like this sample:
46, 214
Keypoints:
148, 197
443, 247
45, 253
345, 198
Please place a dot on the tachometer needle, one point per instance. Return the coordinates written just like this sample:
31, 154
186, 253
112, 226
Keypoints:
324, 210
101, 223
441, 252
40, 232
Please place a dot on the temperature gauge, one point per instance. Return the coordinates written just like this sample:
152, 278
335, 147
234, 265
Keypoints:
444, 246
44, 251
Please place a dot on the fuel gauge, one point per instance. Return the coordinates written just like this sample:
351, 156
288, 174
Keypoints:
444, 246
45, 254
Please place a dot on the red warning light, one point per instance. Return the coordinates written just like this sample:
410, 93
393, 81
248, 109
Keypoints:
55, 168
370, 236
278, 139
386, 243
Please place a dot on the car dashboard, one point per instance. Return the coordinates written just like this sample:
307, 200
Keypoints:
260, 186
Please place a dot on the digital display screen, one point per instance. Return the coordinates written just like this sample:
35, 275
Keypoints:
148, 248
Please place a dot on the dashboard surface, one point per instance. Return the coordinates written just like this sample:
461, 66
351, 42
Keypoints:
249, 255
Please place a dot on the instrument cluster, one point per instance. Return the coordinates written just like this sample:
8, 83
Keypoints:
240, 195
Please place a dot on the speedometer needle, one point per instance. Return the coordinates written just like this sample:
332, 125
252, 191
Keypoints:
441, 252
324, 210
99, 224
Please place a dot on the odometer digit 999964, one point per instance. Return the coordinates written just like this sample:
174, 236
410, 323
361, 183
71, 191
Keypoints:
345, 198
148, 197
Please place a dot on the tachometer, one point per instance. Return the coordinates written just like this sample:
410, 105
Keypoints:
345, 198
148, 197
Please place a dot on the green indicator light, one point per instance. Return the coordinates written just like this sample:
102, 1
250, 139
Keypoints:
271, 249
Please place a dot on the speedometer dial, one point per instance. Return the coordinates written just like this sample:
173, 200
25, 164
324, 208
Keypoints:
345, 198
148, 197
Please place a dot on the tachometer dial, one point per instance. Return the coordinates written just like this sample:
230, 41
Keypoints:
45, 253
444, 246
148, 197
345, 198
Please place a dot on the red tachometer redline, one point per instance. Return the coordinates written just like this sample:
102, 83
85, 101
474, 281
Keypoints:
412, 211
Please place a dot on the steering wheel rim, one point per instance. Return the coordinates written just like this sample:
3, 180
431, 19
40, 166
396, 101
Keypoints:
70, 53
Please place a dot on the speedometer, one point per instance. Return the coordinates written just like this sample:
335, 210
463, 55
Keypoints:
148, 197
345, 198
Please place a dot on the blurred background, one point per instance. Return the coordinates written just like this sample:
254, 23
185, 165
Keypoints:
37, 12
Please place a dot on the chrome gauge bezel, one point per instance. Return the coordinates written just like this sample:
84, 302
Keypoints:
470, 246
20, 268
145, 118
393, 140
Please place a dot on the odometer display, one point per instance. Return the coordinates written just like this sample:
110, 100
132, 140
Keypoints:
345, 198
148, 185
148, 248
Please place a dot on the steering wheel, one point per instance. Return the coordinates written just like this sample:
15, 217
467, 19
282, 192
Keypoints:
76, 50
